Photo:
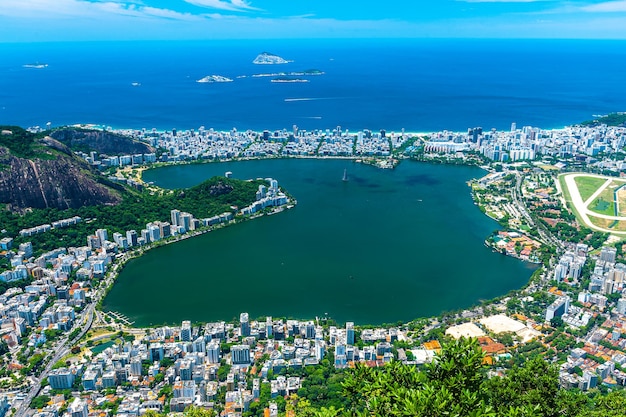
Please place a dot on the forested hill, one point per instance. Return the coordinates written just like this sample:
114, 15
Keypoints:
213, 196
37, 171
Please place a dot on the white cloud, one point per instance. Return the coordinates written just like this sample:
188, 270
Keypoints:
230, 5
606, 7
47, 9
60, 20
504, 1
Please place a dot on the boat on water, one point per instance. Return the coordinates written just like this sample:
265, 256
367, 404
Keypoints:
345, 175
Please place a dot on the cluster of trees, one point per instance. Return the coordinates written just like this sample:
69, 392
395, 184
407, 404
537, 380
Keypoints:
568, 233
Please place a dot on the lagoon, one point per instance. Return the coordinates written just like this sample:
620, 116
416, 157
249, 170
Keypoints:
384, 246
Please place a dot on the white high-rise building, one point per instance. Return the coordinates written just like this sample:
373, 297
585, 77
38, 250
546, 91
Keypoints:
131, 236
186, 221
607, 254
245, 324
78, 408
199, 345
350, 333
268, 327
155, 232
240, 354
175, 217
135, 367
103, 235
185, 331
320, 349
213, 351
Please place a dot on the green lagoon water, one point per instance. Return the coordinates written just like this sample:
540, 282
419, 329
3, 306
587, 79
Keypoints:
385, 246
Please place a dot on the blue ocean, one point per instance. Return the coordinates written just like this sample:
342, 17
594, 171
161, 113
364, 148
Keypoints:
418, 85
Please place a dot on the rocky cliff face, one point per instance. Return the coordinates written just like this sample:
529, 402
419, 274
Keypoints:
51, 178
102, 142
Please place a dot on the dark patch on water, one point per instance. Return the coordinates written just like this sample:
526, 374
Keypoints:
360, 180
423, 179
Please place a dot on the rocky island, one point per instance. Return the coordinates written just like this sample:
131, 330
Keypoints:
36, 65
289, 74
214, 79
289, 80
265, 58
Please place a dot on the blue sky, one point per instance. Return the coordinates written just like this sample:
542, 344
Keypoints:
61, 20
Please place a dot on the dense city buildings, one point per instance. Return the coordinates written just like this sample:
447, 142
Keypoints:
572, 311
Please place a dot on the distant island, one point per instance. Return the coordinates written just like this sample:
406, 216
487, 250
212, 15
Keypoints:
35, 65
214, 79
289, 80
265, 58
290, 74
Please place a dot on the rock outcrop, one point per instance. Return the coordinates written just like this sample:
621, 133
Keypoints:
45, 174
100, 141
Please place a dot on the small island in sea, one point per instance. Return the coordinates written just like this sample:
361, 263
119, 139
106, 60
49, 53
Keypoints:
265, 58
214, 79
36, 65
290, 74
289, 80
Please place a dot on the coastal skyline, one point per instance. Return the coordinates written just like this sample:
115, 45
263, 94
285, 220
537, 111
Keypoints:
83, 20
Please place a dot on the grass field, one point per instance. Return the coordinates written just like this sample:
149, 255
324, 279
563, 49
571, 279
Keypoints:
602, 206
563, 186
548, 167
588, 185
618, 226
604, 203
621, 198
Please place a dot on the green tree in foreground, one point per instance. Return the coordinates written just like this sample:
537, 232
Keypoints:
611, 405
456, 385
449, 386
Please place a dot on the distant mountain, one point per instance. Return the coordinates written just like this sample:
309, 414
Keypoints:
37, 171
103, 142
